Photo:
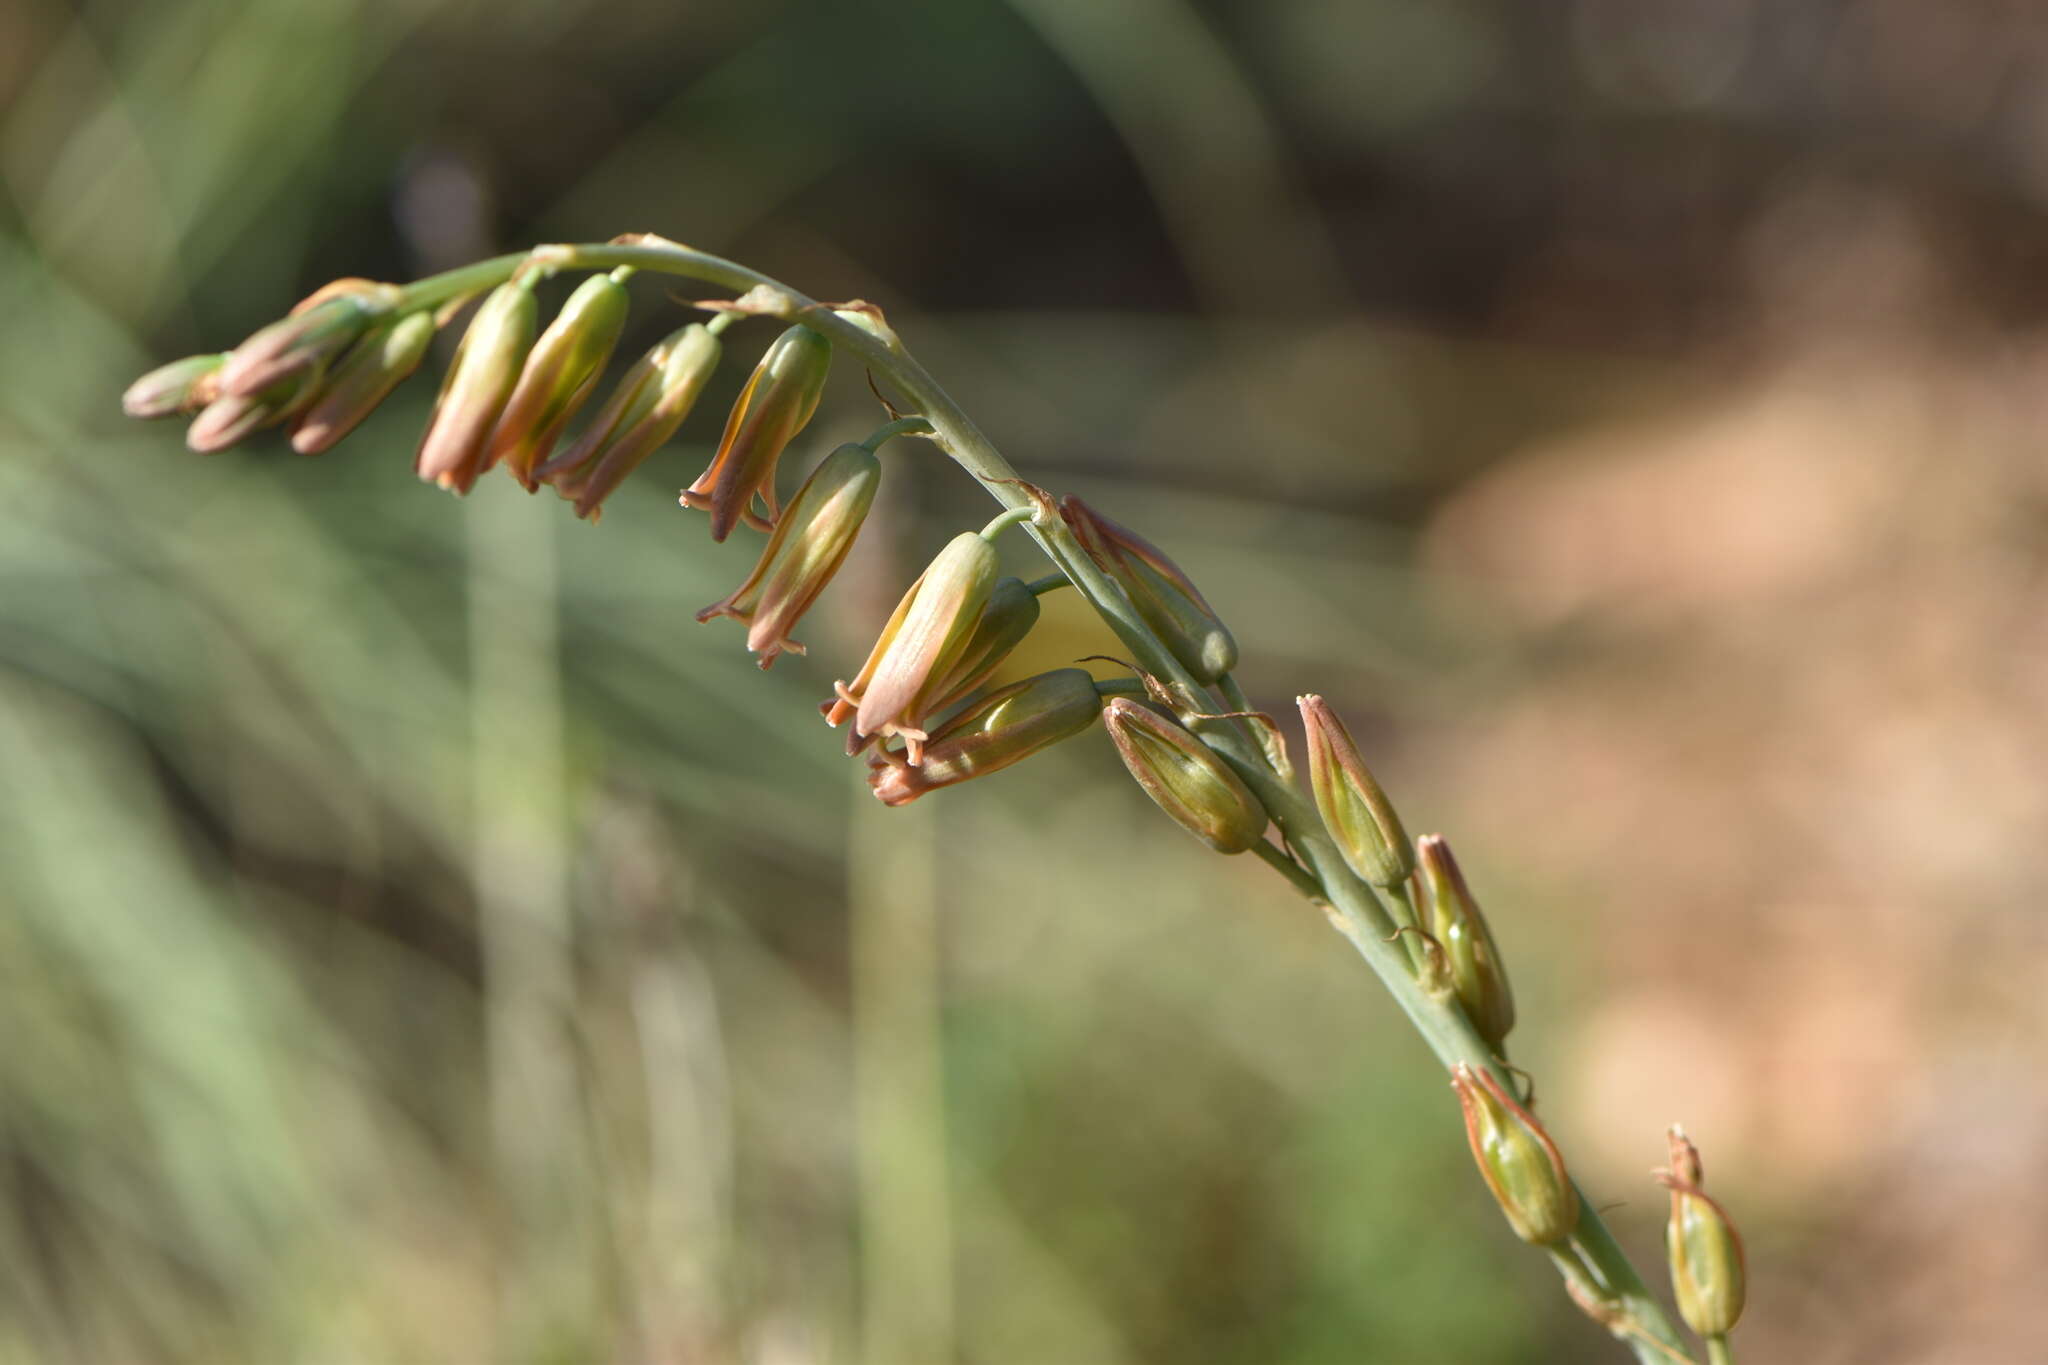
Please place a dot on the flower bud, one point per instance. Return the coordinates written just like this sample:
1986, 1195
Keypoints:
317, 331
1185, 777
1452, 918
560, 372
808, 545
778, 400
1161, 594
363, 378
990, 734
651, 401
486, 366
232, 418
1357, 813
182, 386
926, 636
1517, 1158
1708, 1272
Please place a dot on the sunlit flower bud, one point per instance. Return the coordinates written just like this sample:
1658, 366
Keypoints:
363, 378
486, 366
1185, 777
182, 386
232, 418
928, 634
1453, 919
778, 399
989, 734
1517, 1158
317, 331
651, 401
1162, 595
560, 373
806, 548
1012, 610
1357, 813
1708, 1272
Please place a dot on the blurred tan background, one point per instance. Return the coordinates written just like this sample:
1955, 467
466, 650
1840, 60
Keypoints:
421, 942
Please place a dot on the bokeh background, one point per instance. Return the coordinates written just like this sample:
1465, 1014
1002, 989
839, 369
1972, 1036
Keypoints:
422, 942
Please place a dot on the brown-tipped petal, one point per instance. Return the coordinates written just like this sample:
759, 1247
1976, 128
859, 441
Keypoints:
183, 386
560, 372
363, 378
1452, 916
1518, 1160
934, 632
1360, 819
1185, 778
804, 551
1005, 727
777, 402
1164, 597
480, 380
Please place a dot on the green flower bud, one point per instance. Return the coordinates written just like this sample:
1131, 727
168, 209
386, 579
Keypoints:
809, 543
480, 380
1517, 1158
1708, 1271
1185, 777
318, 330
1162, 595
651, 401
778, 400
232, 418
926, 637
560, 373
183, 386
1357, 813
363, 378
989, 734
1452, 918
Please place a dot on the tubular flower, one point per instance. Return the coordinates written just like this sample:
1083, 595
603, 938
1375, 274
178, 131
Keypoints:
1161, 594
364, 377
1517, 1158
1185, 777
651, 401
232, 418
485, 368
183, 386
926, 637
809, 543
1357, 813
778, 400
560, 372
1452, 918
1708, 1270
318, 330
988, 735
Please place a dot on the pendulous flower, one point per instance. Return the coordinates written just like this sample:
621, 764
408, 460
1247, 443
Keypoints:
560, 372
651, 400
989, 734
480, 380
1164, 597
364, 377
778, 400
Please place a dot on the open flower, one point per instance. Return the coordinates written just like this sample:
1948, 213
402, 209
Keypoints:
809, 543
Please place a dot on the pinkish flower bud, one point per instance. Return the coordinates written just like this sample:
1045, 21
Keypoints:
776, 403
1517, 1158
1709, 1275
925, 638
1357, 813
233, 418
809, 543
988, 735
1162, 595
183, 386
363, 378
317, 331
650, 402
1452, 918
560, 373
1185, 777
480, 380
